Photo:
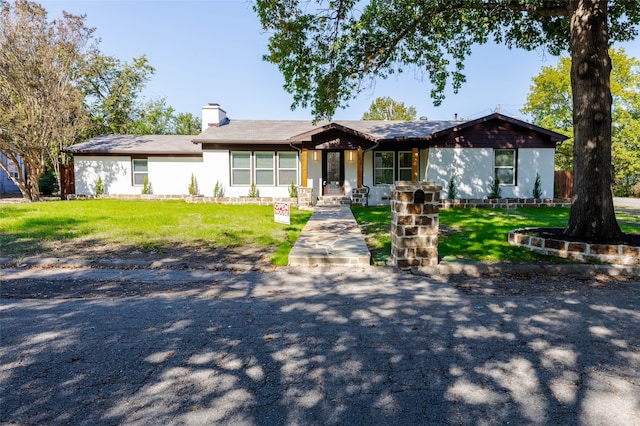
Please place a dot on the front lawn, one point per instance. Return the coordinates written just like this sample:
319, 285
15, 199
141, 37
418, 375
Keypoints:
474, 234
93, 228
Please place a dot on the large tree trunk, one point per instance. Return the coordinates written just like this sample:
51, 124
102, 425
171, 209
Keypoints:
592, 214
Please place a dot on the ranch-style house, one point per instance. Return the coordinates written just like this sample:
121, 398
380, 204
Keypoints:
342, 158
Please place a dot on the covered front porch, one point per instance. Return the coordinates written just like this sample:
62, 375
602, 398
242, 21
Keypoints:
339, 162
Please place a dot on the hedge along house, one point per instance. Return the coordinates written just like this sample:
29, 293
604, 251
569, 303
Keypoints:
338, 158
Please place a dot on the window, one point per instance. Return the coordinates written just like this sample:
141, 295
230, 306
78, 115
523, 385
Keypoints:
264, 168
383, 172
287, 168
505, 166
140, 171
405, 170
241, 168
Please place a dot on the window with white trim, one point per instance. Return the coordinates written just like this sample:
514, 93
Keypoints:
287, 168
264, 168
140, 168
383, 168
405, 168
241, 168
505, 166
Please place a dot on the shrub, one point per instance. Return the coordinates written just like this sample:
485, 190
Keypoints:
293, 191
253, 191
494, 189
537, 187
99, 186
48, 183
146, 186
452, 189
218, 190
193, 185
636, 189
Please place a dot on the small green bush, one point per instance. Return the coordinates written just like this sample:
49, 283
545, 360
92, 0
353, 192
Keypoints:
193, 185
494, 189
218, 190
293, 191
146, 186
99, 186
452, 189
48, 183
253, 191
537, 187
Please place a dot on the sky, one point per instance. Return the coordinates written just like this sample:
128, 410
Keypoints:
211, 51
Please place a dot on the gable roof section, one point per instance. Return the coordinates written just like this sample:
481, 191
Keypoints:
265, 132
179, 145
458, 128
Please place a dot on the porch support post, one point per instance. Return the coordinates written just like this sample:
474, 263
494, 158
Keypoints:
305, 166
359, 161
415, 165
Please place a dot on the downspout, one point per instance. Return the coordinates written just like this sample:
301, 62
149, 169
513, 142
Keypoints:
299, 152
376, 143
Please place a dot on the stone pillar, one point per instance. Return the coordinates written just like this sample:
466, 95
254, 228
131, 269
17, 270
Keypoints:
414, 224
305, 196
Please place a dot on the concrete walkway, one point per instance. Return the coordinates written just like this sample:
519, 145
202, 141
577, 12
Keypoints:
331, 237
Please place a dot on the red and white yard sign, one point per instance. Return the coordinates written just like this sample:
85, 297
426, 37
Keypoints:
281, 212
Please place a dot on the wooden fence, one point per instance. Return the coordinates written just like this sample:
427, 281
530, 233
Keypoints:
563, 184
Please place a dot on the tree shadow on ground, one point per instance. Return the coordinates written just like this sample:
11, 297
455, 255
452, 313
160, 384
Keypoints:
299, 347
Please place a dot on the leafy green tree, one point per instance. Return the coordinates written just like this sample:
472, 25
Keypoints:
328, 53
112, 88
154, 118
549, 102
388, 109
186, 124
41, 107
157, 118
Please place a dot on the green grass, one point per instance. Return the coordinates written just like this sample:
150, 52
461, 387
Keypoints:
32, 229
474, 234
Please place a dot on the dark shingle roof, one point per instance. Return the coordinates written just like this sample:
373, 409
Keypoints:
137, 144
257, 132
282, 131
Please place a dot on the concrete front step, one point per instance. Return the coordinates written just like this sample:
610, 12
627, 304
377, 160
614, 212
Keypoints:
332, 200
331, 237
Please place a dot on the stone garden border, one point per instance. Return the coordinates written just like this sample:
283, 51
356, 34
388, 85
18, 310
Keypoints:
504, 203
617, 254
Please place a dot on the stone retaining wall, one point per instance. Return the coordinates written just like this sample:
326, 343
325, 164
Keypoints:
505, 203
262, 201
618, 254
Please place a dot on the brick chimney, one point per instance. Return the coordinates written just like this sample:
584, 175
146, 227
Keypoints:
213, 115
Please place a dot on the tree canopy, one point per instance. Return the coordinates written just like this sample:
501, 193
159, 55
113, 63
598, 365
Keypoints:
387, 109
112, 88
155, 117
328, 51
57, 88
549, 103
40, 106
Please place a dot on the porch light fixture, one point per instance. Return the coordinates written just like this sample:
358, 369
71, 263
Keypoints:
315, 155
350, 155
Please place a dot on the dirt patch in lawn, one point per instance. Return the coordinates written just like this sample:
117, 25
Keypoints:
195, 253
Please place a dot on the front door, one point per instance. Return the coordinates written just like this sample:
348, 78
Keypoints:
332, 172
